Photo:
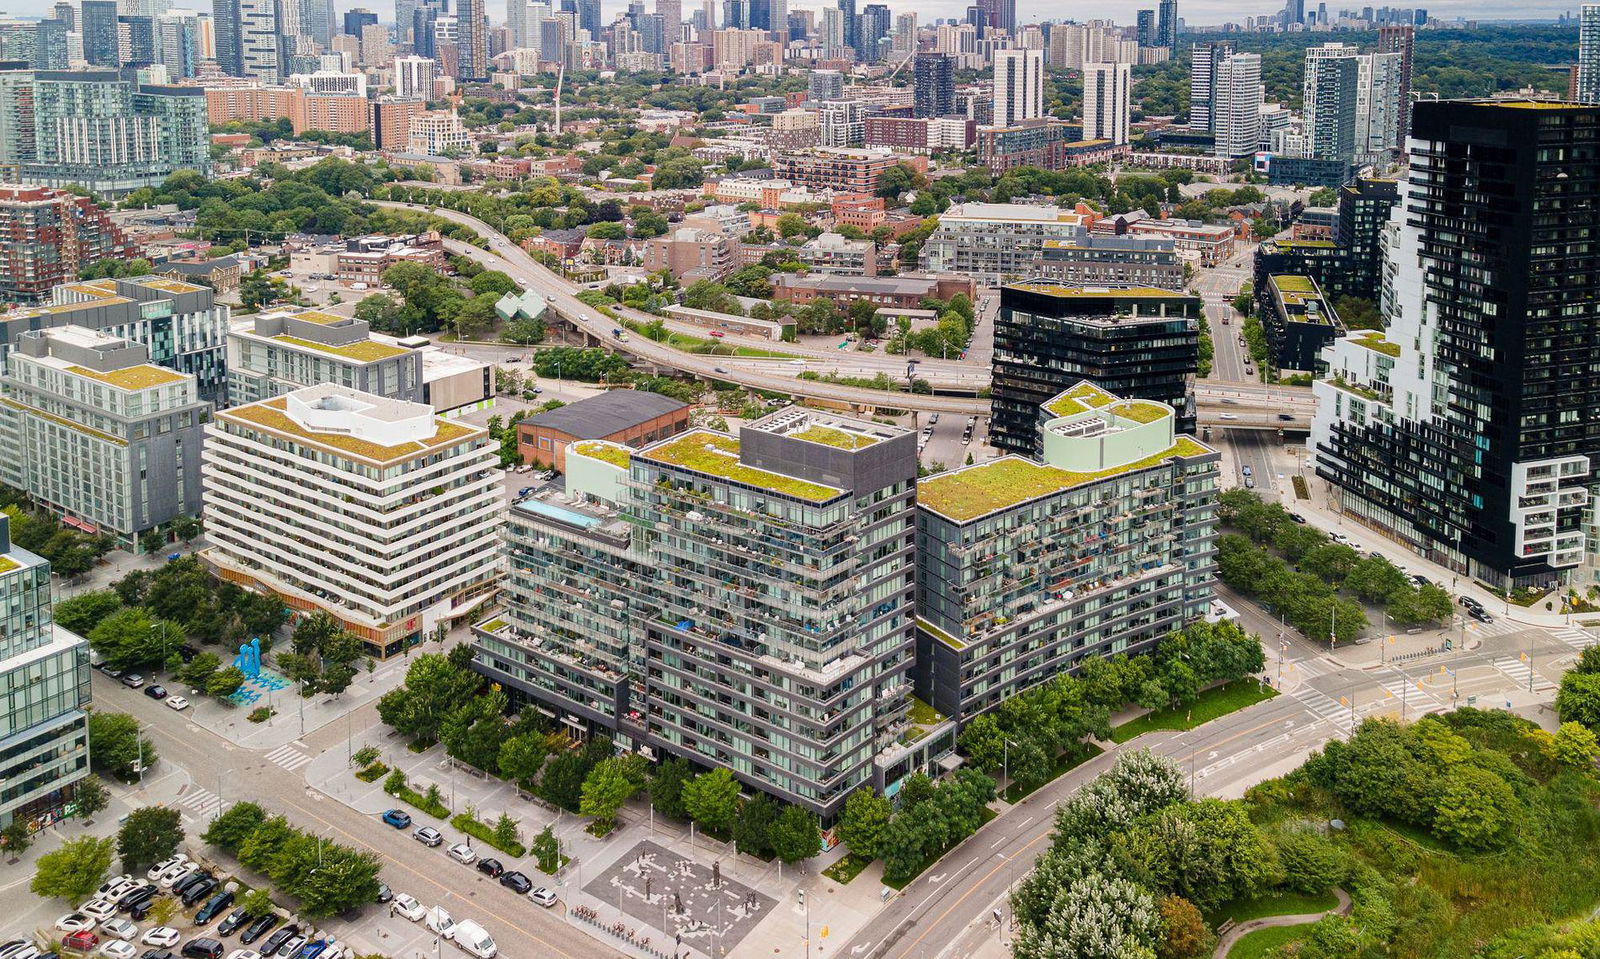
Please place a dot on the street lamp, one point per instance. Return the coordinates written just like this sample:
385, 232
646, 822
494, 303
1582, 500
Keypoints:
911, 372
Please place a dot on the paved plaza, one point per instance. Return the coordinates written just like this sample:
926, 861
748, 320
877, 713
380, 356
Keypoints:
700, 902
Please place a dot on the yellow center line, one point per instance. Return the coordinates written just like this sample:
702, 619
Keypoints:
446, 890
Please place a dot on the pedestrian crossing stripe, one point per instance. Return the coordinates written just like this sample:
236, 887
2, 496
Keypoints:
288, 757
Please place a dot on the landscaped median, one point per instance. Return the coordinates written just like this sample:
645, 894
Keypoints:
1214, 703
428, 802
502, 835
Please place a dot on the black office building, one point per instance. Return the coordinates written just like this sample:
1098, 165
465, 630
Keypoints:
354, 20
1136, 342
1477, 447
1146, 28
100, 48
1351, 264
934, 79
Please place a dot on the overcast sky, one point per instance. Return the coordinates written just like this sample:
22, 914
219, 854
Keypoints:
1121, 11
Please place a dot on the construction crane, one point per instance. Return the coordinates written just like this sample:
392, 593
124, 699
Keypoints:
561, 76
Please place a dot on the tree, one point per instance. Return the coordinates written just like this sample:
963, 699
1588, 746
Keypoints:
187, 528
546, 850
866, 814
1574, 745
505, 830
1184, 933
712, 800
1096, 917
148, 836
15, 837
521, 758
82, 613
197, 672
1578, 700
752, 830
608, 785
229, 831
435, 687
91, 796
795, 835
562, 782
666, 789
257, 902
383, 312
1476, 809
75, 871
225, 682
115, 746
791, 225
492, 283
128, 638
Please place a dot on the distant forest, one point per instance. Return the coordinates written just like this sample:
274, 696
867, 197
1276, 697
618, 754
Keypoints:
1451, 63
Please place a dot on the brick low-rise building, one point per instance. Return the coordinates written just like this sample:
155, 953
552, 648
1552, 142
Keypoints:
630, 418
840, 168
899, 292
692, 254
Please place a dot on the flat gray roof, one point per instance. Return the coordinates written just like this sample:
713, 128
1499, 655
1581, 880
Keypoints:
609, 413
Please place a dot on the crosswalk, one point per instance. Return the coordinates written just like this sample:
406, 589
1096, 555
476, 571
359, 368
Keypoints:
1579, 639
1401, 693
1324, 707
288, 757
1519, 671
199, 800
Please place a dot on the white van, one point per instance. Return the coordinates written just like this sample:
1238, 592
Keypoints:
439, 921
474, 939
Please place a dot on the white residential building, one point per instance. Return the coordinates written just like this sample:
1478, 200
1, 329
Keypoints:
1589, 53
375, 510
1236, 104
413, 77
436, 133
1018, 86
1105, 101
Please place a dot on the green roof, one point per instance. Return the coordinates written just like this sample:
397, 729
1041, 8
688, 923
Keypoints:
7, 564
364, 351
1139, 412
1292, 283
1063, 290
716, 454
1377, 344
830, 436
1080, 399
605, 452
939, 634
974, 491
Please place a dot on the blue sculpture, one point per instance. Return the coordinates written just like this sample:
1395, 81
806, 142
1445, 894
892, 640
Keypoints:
249, 659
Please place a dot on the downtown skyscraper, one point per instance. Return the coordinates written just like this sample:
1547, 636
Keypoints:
1589, 53
1466, 430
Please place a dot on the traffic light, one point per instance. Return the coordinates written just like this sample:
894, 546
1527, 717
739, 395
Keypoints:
802, 895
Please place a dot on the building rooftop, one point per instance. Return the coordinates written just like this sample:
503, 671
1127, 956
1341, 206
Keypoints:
1058, 289
1079, 399
1012, 212
364, 351
418, 438
614, 453
606, 414
1374, 341
717, 454
976, 491
131, 378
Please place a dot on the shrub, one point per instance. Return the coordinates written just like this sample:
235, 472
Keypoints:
372, 772
485, 834
261, 714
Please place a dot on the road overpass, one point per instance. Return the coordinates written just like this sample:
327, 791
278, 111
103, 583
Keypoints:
1252, 406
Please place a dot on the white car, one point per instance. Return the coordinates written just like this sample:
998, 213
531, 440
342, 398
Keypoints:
175, 875
119, 928
462, 853
75, 922
177, 702
101, 909
170, 875
244, 954
155, 871
117, 949
406, 907
162, 937
116, 887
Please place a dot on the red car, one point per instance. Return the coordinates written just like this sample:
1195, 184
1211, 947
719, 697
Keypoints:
84, 941
718, 334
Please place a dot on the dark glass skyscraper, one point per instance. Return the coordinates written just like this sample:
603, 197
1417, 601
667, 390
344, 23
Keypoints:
100, 33
1141, 343
1167, 24
1469, 431
354, 20
934, 77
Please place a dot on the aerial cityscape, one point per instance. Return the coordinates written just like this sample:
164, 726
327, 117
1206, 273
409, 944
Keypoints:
731, 479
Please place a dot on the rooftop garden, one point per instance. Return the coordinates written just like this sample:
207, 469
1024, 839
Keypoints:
1292, 283
1352, 388
365, 351
1140, 412
1062, 290
1079, 399
940, 634
830, 436
975, 491
7, 565
923, 719
717, 455
612, 453
270, 415
1375, 342
139, 377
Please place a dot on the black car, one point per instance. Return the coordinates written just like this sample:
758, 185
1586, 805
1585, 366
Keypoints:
158, 954
278, 938
139, 899
156, 692
1469, 602
232, 921
516, 882
1480, 614
257, 929
202, 949
213, 906
1297, 517
199, 891
385, 894
190, 881
491, 868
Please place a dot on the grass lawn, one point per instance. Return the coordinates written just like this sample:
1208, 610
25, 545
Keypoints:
1264, 941
1070, 759
710, 345
988, 814
1271, 904
1214, 702
847, 868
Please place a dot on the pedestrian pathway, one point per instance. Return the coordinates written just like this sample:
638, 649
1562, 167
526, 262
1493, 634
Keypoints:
1519, 671
1227, 940
1579, 639
199, 800
288, 757
1324, 707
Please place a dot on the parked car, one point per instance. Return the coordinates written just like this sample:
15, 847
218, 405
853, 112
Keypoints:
462, 853
257, 929
117, 887
118, 949
100, 909
474, 939
291, 946
162, 937
133, 680
1247, 471
182, 886
398, 818
1421, 580
175, 873
140, 896
312, 949
198, 891
75, 922
177, 703
1297, 518
490, 868
213, 907
232, 921
516, 882
118, 929
276, 940
384, 893
428, 836
156, 692
155, 872
18, 949
202, 949
244, 954
543, 897
406, 907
